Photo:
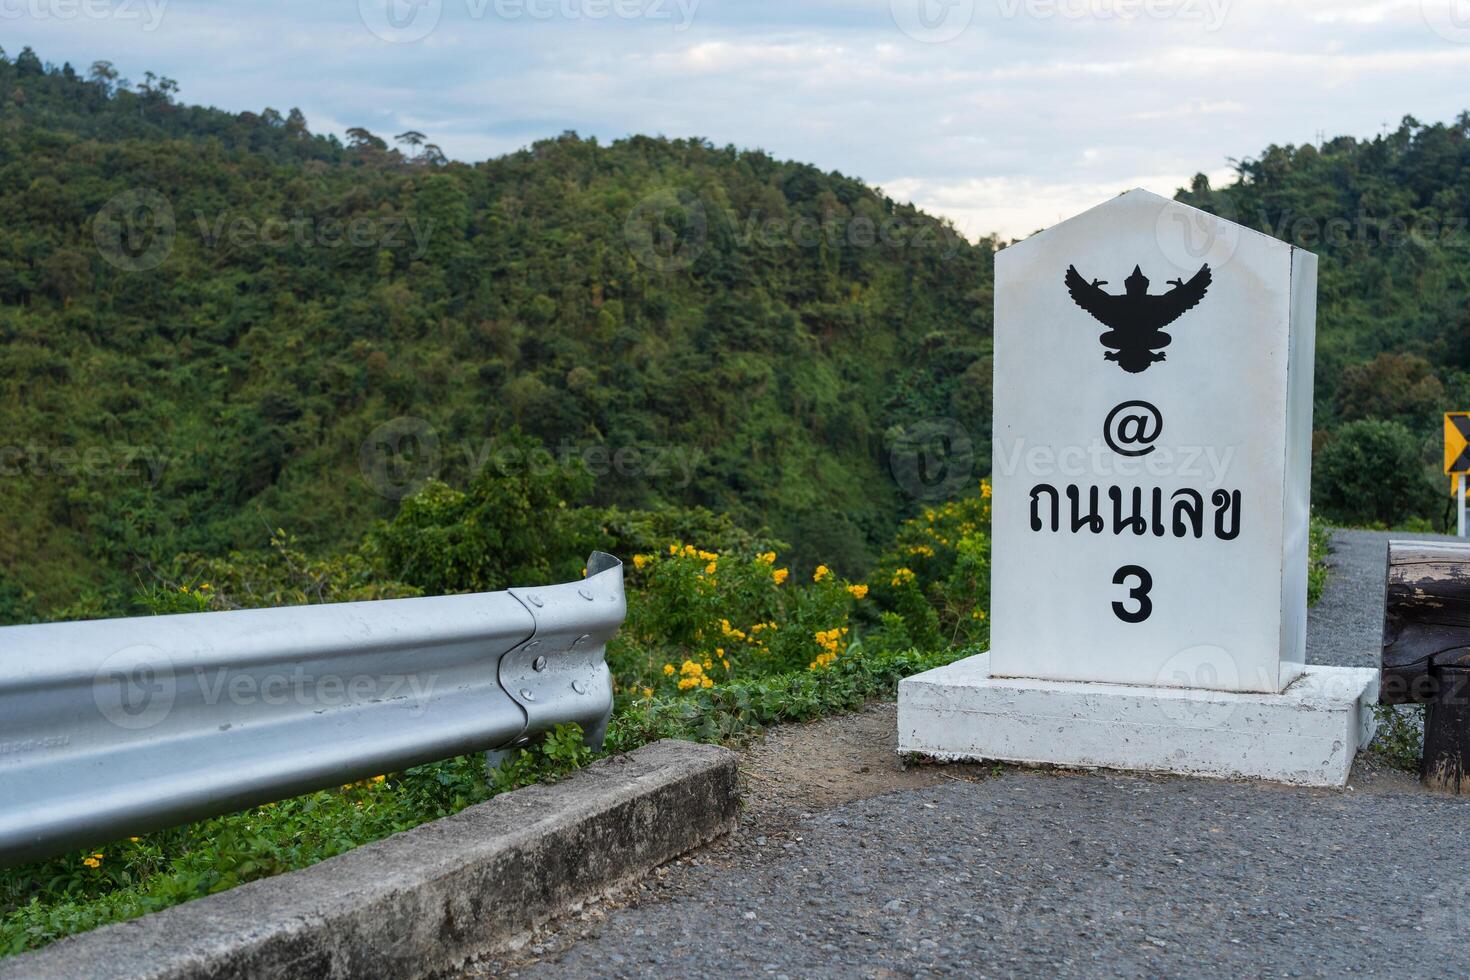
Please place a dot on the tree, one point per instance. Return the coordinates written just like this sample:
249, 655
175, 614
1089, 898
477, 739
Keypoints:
1401, 387
28, 63
65, 273
360, 139
103, 75
1372, 472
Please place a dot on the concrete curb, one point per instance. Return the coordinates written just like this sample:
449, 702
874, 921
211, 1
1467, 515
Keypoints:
431, 898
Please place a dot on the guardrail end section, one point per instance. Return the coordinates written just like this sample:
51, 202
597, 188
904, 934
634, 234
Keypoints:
560, 674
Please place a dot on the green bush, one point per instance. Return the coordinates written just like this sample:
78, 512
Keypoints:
512, 524
1400, 738
280, 575
1372, 472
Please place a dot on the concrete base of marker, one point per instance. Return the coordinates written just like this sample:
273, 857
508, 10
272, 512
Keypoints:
1307, 735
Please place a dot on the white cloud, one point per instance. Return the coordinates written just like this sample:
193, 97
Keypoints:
1022, 118
1022, 205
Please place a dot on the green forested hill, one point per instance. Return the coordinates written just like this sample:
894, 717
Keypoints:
1389, 219
207, 318
751, 333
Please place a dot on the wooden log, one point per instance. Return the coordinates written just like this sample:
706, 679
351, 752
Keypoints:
1426, 617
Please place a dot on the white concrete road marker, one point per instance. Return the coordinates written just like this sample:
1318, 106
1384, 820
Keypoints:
1153, 421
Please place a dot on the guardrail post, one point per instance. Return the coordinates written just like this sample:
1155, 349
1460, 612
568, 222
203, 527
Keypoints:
1447, 733
1426, 652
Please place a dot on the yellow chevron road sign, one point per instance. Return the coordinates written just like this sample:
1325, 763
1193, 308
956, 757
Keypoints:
1456, 442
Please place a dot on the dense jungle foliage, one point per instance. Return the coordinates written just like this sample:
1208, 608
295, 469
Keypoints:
205, 319
215, 326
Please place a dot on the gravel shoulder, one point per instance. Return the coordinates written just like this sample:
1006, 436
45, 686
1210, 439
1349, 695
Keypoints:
1345, 628
847, 864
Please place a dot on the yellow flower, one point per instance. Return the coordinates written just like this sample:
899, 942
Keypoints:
858, 591
673, 549
985, 489
902, 576
92, 862
641, 560
668, 669
780, 575
648, 692
206, 585
768, 558
710, 568
822, 572
706, 682
687, 682
828, 656
135, 839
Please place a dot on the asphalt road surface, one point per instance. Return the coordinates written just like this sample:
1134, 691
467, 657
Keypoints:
1009, 872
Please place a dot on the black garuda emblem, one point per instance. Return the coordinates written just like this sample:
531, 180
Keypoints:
1135, 320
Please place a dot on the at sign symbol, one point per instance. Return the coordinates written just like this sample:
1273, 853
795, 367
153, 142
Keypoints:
1132, 428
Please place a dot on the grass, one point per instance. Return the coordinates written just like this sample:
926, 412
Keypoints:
1319, 540
1400, 738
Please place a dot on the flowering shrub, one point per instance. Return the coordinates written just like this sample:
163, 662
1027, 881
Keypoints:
699, 618
933, 581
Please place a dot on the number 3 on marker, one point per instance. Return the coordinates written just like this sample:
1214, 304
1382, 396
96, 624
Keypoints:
1138, 594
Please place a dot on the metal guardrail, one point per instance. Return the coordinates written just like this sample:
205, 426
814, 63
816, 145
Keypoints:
117, 727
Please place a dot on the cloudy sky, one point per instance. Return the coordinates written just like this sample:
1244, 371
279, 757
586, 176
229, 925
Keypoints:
1003, 115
